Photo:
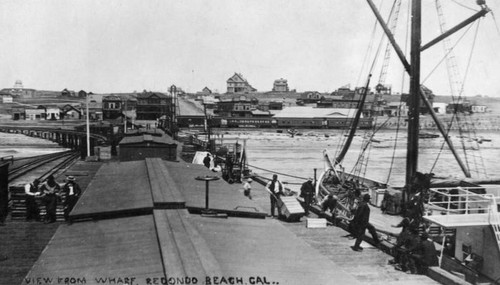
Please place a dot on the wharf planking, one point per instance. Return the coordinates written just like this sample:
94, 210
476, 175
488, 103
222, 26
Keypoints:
266, 249
121, 247
184, 251
117, 190
165, 192
20, 246
223, 197
367, 267
174, 243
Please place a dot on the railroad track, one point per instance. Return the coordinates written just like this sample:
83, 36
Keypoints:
22, 166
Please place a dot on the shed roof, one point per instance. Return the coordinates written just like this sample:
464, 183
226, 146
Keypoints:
260, 112
310, 112
147, 138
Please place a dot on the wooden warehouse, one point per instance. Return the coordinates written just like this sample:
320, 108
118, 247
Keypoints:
143, 146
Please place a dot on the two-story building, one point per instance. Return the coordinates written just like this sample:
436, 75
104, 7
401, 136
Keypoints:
309, 97
280, 85
241, 106
153, 105
238, 84
111, 107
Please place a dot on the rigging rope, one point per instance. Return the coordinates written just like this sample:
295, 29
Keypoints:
280, 173
496, 24
365, 147
460, 4
375, 59
368, 51
404, 75
444, 57
470, 120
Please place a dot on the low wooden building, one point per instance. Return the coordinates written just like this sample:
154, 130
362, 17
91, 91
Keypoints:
308, 117
140, 147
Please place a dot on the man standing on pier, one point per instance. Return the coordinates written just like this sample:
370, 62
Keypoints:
307, 192
361, 222
206, 161
73, 192
31, 191
275, 189
50, 190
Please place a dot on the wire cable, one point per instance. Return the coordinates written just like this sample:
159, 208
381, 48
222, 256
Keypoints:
280, 173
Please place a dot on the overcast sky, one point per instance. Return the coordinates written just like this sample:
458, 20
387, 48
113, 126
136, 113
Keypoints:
122, 46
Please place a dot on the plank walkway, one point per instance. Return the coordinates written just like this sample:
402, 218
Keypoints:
175, 242
165, 192
184, 251
118, 189
119, 248
223, 197
21, 245
367, 267
121, 240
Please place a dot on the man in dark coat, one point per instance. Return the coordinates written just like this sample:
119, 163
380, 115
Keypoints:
31, 191
72, 191
360, 223
329, 203
206, 161
307, 192
425, 254
50, 191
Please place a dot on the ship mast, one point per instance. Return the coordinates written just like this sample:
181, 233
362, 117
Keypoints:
414, 99
413, 69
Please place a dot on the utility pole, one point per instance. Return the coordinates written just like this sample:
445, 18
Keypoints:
88, 126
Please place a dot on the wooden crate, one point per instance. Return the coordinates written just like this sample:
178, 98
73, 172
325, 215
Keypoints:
315, 223
290, 208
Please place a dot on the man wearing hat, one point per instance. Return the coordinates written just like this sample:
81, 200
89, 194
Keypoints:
247, 187
72, 192
329, 203
275, 189
31, 191
361, 222
307, 192
49, 192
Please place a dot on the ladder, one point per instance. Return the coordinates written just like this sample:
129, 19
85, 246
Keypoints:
393, 23
456, 86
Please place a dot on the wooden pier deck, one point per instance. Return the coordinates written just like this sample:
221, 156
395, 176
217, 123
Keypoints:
177, 242
368, 267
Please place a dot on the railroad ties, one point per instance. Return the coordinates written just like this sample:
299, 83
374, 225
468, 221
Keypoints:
18, 205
